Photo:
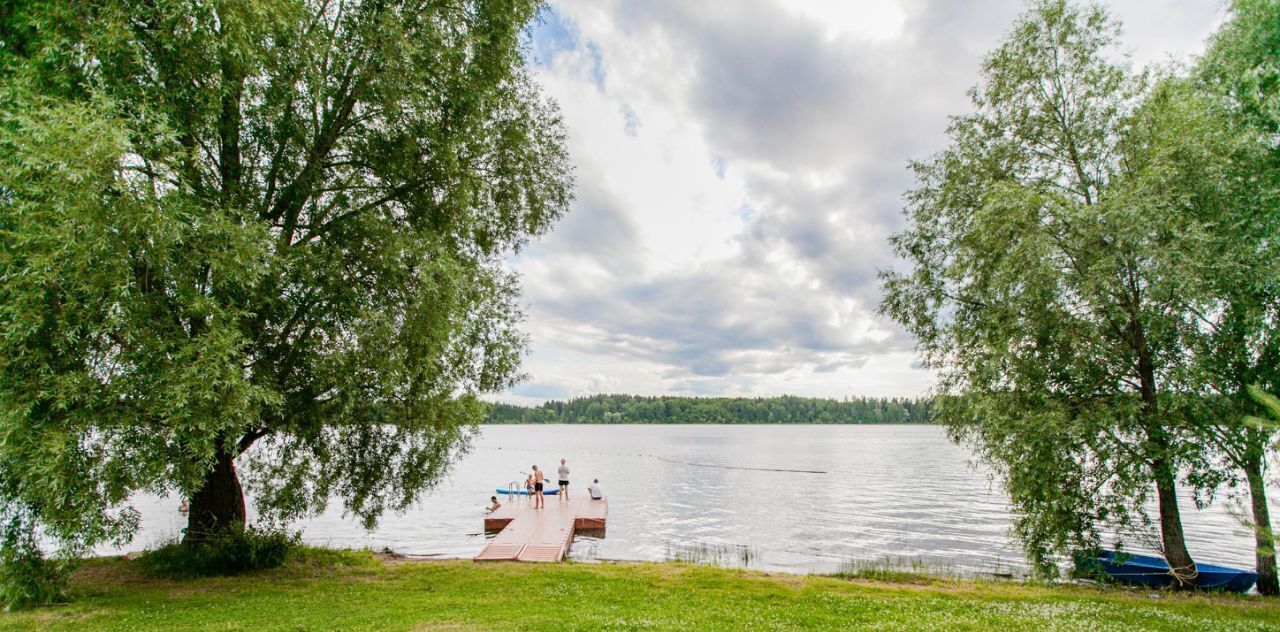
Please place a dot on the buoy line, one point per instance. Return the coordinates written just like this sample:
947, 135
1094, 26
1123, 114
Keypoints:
737, 467
662, 458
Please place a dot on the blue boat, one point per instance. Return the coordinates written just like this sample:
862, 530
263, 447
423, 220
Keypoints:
520, 492
1149, 570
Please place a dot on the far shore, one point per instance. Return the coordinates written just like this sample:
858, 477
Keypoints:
698, 423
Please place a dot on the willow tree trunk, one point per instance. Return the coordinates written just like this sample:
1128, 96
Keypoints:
1172, 539
219, 504
1171, 536
1265, 543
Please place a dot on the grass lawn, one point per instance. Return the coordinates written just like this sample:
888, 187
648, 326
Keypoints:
319, 589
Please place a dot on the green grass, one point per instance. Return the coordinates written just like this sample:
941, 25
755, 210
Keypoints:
707, 553
894, 570
319, 589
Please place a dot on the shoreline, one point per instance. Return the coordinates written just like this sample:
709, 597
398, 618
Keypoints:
335, 589
886, 569
913, 567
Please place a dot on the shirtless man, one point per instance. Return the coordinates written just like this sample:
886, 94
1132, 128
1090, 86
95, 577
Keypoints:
537, 488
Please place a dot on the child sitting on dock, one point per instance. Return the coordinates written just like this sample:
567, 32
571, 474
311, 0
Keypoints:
496, 505
595, 491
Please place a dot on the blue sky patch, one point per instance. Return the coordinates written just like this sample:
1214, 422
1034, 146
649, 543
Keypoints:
554, 34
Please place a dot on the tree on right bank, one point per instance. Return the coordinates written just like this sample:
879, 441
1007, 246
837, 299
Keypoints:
1093, 273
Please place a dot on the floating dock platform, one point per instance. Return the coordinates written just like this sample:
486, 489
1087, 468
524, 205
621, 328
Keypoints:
540, 535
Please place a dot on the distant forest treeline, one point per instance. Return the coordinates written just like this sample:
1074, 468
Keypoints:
634, 409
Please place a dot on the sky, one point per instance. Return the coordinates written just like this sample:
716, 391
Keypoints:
740, 167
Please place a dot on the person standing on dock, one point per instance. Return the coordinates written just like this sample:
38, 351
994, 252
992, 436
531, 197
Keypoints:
564, 480
538, 503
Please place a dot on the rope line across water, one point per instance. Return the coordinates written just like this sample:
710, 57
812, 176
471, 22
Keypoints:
736, 467
661, 458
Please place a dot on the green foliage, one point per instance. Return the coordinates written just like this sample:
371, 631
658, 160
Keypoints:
1242, 64
279, 222
27, 576
1237, 353
1238, 346
634, 409
1074, 250
233, 552
1269, 403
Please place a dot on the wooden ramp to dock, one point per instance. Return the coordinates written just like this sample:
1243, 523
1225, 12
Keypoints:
540, 535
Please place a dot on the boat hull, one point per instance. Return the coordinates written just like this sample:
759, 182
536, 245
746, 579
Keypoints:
1148, 570
545, 492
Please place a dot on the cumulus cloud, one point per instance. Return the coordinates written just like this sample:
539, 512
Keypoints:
740, 167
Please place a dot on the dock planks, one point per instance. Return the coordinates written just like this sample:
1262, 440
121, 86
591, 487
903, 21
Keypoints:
540, 535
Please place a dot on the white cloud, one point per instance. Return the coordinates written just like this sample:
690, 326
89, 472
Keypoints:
867, 19
740, 166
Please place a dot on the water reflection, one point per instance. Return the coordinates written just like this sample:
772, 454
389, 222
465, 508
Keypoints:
899, 492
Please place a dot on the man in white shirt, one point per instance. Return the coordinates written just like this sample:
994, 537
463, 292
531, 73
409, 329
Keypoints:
595, 491
564, 480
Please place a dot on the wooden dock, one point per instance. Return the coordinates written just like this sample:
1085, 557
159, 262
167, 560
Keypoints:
540, 535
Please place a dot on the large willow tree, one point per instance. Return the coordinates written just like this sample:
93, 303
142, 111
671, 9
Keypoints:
1067, 249
273, 223
1240, 73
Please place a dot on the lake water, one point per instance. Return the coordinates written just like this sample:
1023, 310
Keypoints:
902, 492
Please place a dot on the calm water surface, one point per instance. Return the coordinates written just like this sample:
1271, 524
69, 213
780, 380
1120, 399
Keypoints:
889, 491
